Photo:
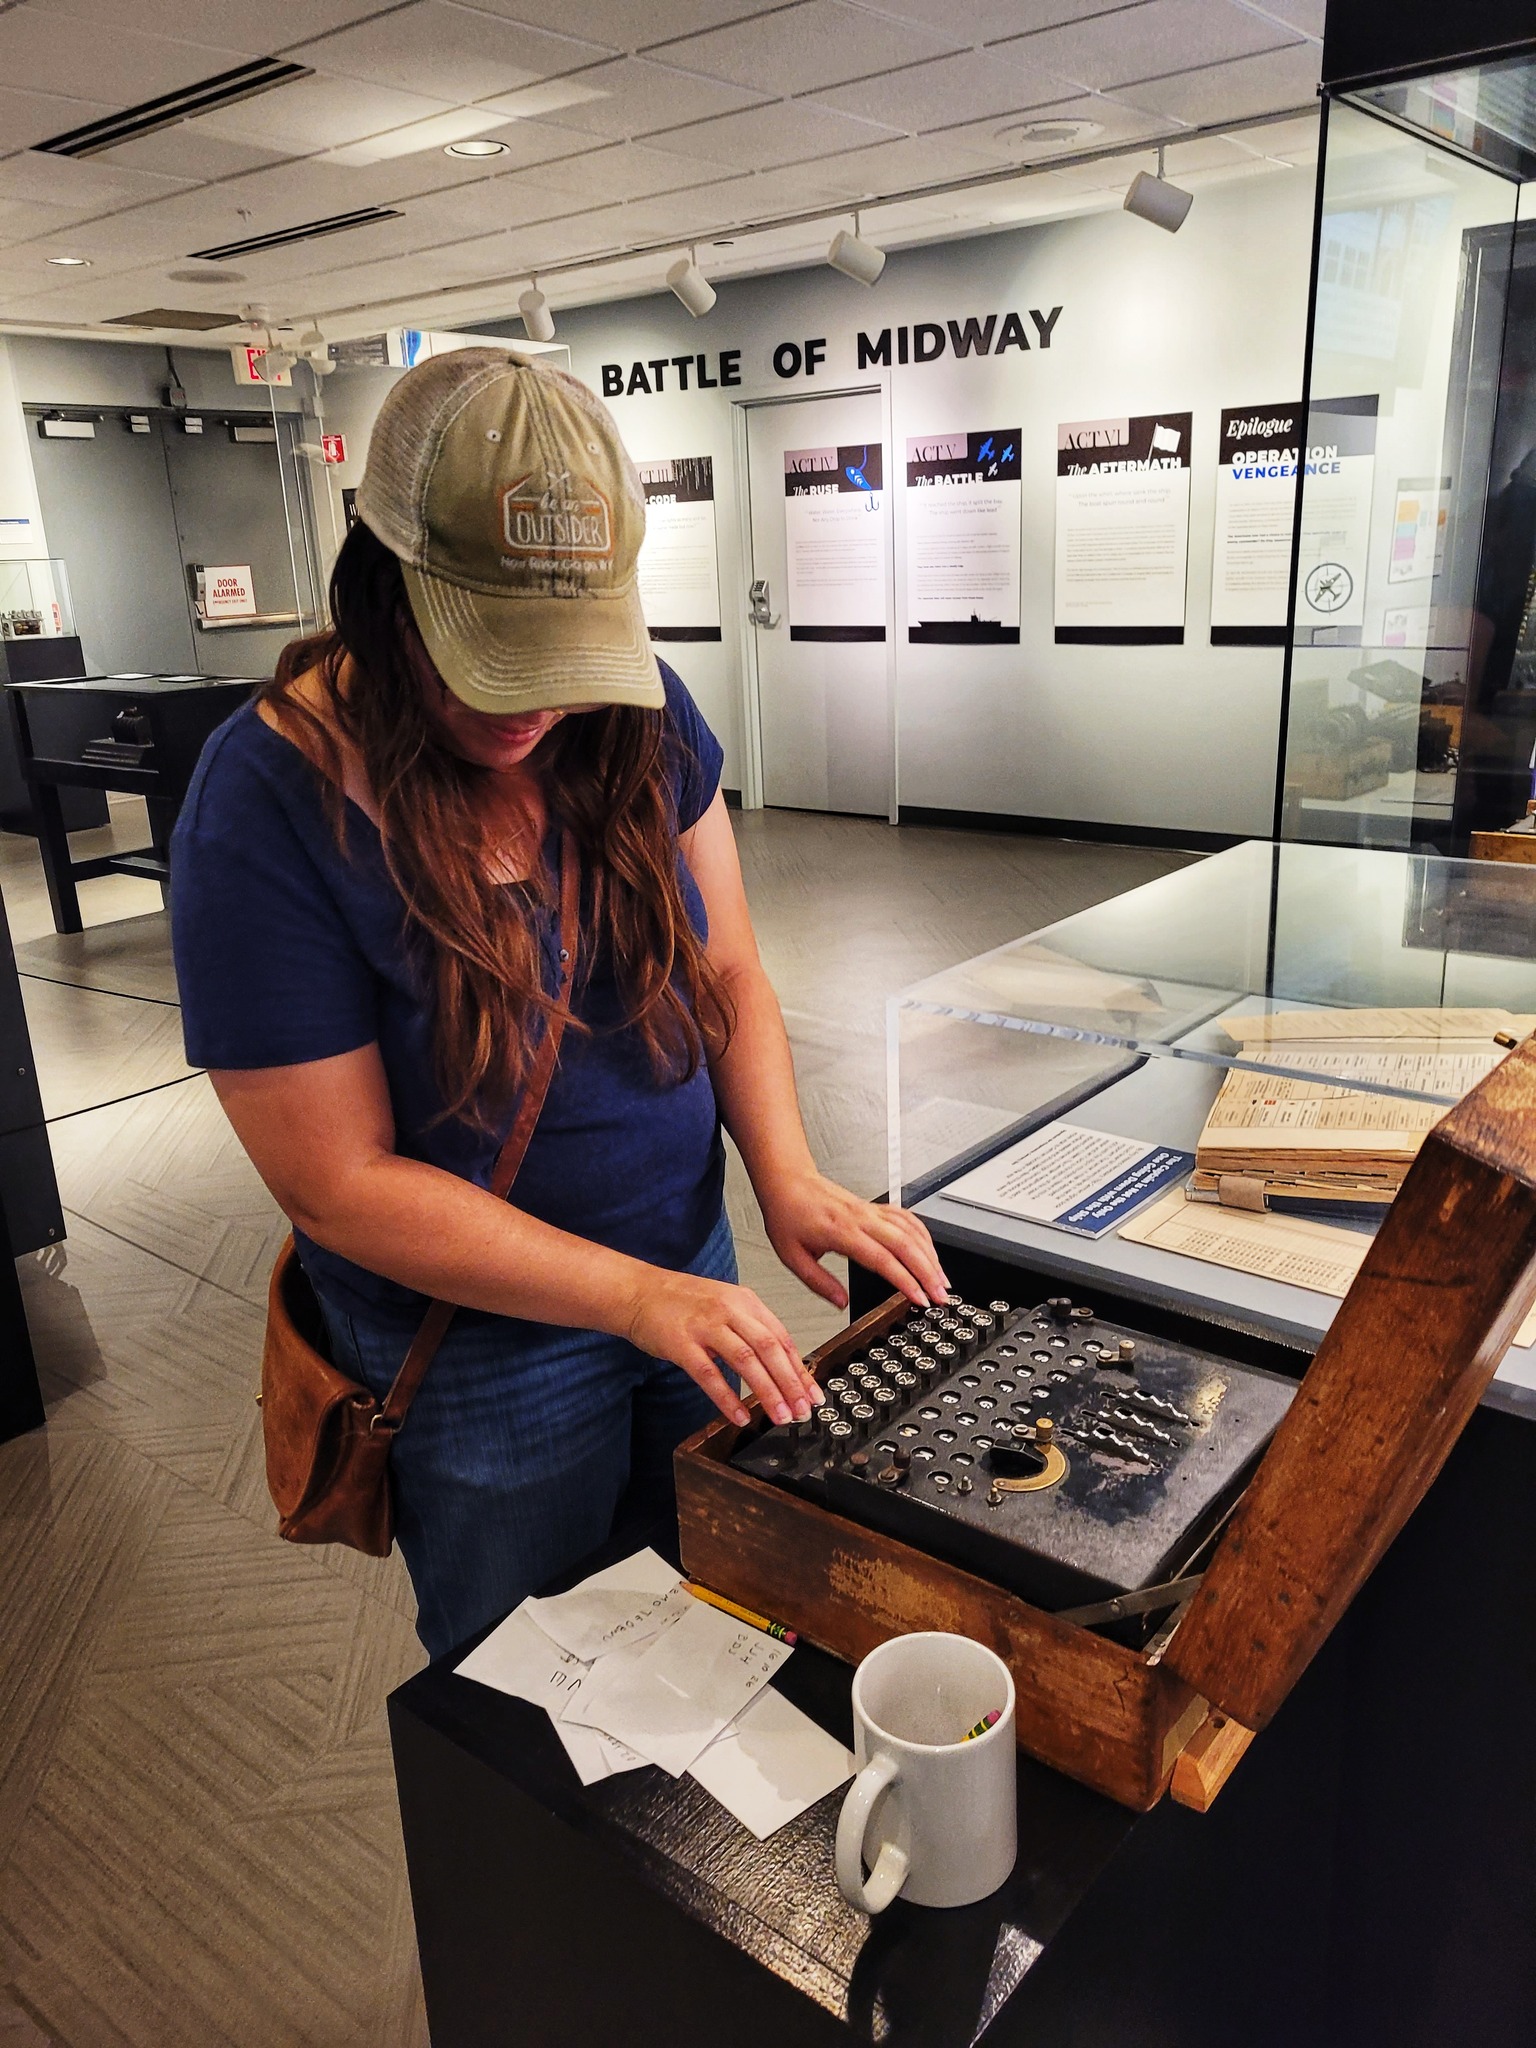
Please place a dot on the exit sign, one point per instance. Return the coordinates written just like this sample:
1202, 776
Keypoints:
245, 360
333, 447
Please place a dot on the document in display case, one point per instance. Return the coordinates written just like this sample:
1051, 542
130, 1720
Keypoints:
1298, 1018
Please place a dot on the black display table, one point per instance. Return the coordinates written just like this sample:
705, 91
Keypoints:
1366, 1879
137, 734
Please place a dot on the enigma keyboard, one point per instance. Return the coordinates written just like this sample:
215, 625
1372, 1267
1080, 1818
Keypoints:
1065, 1457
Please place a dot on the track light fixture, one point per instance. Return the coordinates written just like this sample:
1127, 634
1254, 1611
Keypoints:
855, 257
1154, 199
689, 284
538, 321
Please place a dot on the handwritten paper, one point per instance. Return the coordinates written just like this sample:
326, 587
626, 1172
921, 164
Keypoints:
627, 1603
596, 1756
771, 1764
670, 1698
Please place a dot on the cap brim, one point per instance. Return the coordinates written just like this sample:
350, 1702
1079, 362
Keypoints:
517, 653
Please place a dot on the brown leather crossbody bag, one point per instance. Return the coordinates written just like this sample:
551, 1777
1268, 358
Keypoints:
328, 1439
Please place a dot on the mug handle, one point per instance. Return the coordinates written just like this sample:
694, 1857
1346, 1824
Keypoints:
890, 1871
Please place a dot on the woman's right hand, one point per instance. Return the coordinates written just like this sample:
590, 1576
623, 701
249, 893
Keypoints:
703, 1325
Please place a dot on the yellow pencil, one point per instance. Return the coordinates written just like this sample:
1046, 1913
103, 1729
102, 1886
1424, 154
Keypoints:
776, 1629
987, 1721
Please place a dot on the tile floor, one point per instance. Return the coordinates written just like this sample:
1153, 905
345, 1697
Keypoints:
198, 1843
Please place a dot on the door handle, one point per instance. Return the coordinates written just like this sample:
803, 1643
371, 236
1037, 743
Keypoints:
760, 605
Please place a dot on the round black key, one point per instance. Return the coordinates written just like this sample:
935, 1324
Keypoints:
826, 1416
1000, 1308
861, 1416
840, 1430
905, 1380
836, 1385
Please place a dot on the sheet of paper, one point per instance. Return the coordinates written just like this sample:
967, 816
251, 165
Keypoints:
1072, 1177
596, 1756
771, 1763
1321, 1256
518, 1658
671, 1698
627, 1603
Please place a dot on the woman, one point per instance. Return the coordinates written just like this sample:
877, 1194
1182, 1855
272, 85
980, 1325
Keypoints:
366, 874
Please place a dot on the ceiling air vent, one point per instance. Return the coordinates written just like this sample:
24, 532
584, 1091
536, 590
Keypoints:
184, 317
306, 231
150, 116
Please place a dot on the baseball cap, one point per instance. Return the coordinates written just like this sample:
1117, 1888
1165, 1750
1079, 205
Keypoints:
503, 486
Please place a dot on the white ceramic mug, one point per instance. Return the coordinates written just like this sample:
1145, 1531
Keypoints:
932, 1813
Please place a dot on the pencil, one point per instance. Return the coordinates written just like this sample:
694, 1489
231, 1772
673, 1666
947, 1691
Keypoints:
776, 1629
987, 1721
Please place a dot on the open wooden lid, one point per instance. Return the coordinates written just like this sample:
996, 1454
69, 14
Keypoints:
1445, 1286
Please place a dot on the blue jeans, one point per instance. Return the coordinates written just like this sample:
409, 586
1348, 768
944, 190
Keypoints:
524, 1448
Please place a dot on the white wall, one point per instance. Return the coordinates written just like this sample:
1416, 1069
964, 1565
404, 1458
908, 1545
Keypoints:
1183, 738
21, 517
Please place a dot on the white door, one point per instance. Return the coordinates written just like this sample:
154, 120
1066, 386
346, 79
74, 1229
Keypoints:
819, 487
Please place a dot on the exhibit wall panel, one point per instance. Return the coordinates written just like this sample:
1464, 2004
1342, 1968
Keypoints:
664, 425
1171, 737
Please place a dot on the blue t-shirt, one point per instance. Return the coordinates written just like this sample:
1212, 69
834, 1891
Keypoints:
290, 948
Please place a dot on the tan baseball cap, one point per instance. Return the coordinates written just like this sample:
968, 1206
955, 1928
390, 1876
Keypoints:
504, 488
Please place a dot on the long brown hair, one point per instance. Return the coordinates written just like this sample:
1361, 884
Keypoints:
605, 778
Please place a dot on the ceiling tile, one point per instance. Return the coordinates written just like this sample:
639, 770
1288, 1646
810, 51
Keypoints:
1149, 41
452, 52
622, 170
30, 117
1232, 92
1111, 121
904, 166
83, 185
969, 86
1306, 16
41, 53
988, 21
21, 219
766, 193
316, 113
622, 24
798, 49
183, 152
629, 97
764, 136
232, 24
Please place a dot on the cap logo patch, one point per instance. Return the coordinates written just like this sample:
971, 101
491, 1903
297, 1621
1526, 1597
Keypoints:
553, 519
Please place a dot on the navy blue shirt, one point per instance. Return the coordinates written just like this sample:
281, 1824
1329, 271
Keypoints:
290, 947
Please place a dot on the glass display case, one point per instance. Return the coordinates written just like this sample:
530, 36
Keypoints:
1411, 700
1121, 1020
34, 599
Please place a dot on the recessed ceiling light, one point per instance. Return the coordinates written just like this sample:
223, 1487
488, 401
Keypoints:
1048, 134
476, 145
71, 262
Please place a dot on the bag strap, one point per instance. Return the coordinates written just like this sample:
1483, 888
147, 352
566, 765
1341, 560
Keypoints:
435, 1323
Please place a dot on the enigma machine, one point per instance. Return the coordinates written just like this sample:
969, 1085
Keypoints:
1069, 1459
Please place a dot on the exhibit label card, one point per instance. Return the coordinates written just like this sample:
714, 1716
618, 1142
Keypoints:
1072, 1177
1122, 529
834, 529
1337, 478
1256, 472
964, 500
679, 568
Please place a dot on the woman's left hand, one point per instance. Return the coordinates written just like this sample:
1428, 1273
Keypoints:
810, 1216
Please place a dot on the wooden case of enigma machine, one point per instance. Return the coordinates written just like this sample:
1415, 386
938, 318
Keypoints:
1155, 1540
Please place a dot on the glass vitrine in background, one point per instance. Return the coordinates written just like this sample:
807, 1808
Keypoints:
1411, 708
34, 599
